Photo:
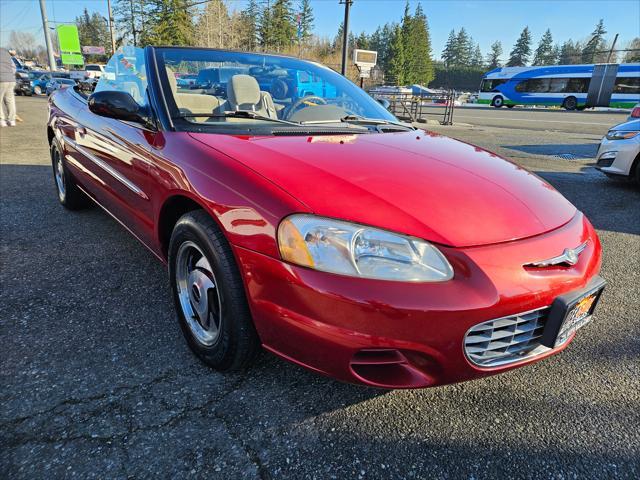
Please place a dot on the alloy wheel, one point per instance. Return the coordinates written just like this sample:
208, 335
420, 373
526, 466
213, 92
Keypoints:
198, 293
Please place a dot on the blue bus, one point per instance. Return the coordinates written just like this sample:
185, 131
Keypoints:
569, 86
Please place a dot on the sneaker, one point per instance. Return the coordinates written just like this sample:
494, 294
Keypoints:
12, 124
3, 123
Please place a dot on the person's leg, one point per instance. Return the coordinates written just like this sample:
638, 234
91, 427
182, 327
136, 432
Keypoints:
10, 99
3, 120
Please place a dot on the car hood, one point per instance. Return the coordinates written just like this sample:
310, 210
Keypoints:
629, 125
418, 183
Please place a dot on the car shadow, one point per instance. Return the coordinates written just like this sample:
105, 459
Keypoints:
564, 151
605, 201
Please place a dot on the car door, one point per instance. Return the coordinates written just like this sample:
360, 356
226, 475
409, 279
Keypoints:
119, 154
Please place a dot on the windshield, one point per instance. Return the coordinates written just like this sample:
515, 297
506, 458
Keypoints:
214, 87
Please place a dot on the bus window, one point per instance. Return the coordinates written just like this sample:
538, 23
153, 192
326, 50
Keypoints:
558, 85
490, 85
578, 85
627, 85
534, 85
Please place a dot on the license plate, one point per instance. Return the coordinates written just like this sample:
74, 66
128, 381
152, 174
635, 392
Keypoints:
577, 318
571, 312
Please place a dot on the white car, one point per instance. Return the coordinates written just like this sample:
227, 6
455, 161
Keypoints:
619, 151
93, 71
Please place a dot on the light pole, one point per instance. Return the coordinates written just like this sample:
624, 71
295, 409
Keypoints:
113, 41
47, 36
345, 35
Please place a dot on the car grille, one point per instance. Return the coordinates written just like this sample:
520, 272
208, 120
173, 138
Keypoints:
506, 340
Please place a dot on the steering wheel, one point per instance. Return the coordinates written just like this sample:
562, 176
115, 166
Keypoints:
314, 99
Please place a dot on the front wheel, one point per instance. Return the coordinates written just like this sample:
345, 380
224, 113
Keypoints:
69, 195
570, 103
37, 90
498, 101
209, 295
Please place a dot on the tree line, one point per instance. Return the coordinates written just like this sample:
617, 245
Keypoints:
287, 26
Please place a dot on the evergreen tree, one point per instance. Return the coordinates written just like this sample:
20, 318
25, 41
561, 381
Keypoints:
423, 64
544, 54
250, 22
282, 21
396, 57
476, 58
570, 53
493, 58
463, 48
555, 54
408, 44
306, 19
169, 23
595, 44
449, 55
633, 51
519, 56
93, 31
380, 41
265, 28
362, 42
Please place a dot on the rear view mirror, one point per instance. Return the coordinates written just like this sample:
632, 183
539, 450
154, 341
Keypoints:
118, 105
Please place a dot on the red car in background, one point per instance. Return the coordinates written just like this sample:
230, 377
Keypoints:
322, 228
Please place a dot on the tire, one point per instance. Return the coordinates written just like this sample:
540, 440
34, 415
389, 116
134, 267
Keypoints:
570, 103
497, 101
637, 171
204, 277
37, 90
69, 195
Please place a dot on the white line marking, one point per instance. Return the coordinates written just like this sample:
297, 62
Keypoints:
530, 120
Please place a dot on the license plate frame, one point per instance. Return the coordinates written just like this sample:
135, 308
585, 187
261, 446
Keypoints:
571, 312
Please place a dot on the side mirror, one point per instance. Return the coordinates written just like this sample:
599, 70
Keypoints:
384, 102
118, 105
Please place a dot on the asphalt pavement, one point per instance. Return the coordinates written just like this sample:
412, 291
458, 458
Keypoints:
97, 381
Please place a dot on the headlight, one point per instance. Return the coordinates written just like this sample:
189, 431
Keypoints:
621, 134
350, 249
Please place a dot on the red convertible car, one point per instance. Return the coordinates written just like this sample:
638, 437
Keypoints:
318, 226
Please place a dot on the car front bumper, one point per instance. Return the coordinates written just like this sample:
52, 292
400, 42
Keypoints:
410, 335
616, 157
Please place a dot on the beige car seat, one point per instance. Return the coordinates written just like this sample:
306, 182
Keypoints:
243, 93
194, 102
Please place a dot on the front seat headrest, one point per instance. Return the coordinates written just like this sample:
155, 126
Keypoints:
173, 83
243, 90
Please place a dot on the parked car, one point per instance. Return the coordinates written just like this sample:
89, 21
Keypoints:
619, 151
321, 227
93, 70
635, 112
40, 79
23, 83
59, 83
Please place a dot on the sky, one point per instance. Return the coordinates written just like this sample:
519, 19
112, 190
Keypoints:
485, 20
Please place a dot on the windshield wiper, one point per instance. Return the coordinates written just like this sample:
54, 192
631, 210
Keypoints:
238, 114
358, 120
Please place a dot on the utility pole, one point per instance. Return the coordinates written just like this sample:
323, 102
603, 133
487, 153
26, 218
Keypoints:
613, 45
113, 40
47, 36
345, 35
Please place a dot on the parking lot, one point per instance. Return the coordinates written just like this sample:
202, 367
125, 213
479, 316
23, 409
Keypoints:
97, 381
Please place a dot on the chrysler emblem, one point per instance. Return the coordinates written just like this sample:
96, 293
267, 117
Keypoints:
569, 257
